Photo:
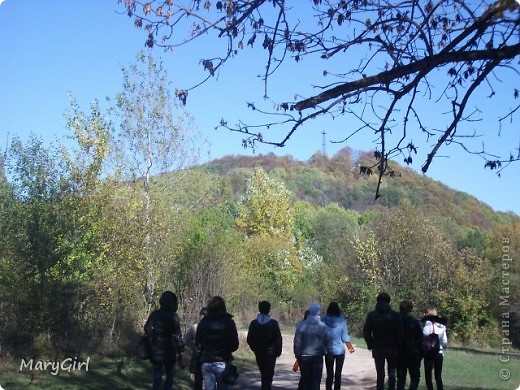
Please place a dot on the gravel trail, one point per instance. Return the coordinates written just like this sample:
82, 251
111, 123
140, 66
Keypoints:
358, 371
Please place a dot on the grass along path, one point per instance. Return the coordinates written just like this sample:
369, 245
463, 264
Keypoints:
462, 371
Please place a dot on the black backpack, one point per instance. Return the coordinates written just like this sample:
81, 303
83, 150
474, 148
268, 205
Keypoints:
431, 344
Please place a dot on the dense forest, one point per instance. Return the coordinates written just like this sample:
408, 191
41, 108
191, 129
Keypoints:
93, 229
83, 257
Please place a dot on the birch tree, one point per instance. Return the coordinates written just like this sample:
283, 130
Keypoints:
155, 135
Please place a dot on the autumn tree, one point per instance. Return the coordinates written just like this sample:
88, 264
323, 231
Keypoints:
503, 248
265, 214
407, 254
411, 250
266, 206
415, 76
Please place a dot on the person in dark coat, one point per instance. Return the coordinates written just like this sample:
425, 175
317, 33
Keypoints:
216, 340
265, 340
383, 333
164, 331
410, 355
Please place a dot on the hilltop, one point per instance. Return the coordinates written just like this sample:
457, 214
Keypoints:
322, 180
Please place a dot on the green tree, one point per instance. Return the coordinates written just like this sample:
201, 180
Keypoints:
411, 250
91, 135
208, 259
330, 225
272, 268
35, 216
266, 207
271, 264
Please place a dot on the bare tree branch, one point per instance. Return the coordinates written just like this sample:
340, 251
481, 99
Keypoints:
385, 57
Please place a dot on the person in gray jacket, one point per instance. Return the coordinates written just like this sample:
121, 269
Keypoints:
311, 342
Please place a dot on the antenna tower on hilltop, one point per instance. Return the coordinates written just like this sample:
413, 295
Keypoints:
324, 143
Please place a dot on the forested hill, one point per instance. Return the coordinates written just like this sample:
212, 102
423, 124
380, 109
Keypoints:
322, 180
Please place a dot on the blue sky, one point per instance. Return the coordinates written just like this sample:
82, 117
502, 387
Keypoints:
48, 48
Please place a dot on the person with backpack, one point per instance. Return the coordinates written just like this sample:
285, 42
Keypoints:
164, 331
265, 340
339, 338
434, 344
383, 333
410, 355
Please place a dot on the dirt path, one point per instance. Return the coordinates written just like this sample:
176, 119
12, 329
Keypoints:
358, 371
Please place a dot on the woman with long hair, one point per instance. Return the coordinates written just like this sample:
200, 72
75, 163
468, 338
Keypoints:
340, 338
433, 323
216, 340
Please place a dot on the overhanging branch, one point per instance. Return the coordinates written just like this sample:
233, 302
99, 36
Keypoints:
428, 64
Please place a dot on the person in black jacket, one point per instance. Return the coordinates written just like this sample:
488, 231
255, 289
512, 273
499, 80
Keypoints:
410, 355
164, 331
265, 340
383, 333
216, 340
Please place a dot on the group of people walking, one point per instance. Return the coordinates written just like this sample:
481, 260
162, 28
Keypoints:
213, 340
317, 337
396, 340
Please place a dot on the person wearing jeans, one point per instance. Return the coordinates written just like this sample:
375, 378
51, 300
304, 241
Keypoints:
216, 340
212, 372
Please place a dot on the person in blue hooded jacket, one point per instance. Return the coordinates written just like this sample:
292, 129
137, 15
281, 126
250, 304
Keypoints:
310, 344
339, 338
